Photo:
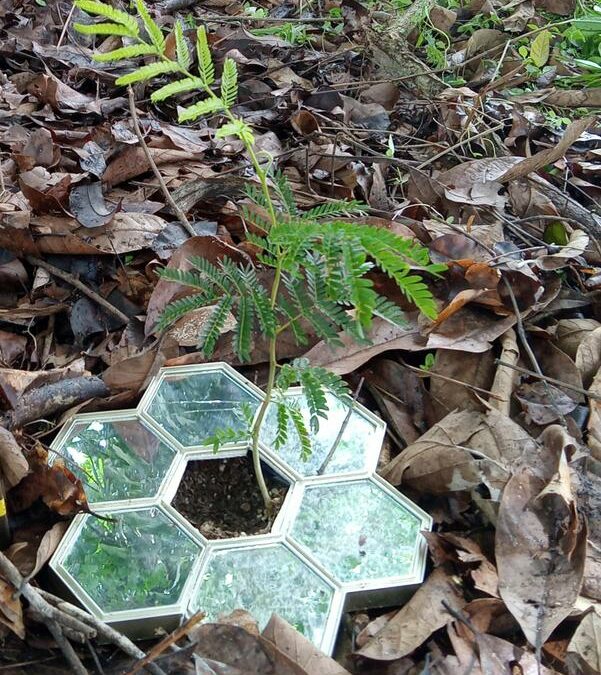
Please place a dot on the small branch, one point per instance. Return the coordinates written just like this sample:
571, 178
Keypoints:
343, 426
164, 189
550, 380
55, 621
76, 283
166, 642
103, 630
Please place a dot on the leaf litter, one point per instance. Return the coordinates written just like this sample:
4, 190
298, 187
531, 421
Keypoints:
472, 127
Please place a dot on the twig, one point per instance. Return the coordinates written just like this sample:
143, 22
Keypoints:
164, 189
54, 620
159, 648
76, 283
104, 630
442, 153
65, 27
550, 380
341, 431
430, 373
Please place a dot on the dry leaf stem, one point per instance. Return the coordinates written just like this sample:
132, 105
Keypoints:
76, 283
164, 189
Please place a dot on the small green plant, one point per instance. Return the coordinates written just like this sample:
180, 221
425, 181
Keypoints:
428, 363
311, 274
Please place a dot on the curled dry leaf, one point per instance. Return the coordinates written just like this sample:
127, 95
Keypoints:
575, 247
13, 465
569, 333
412, 625
299, 649
540, 549
461, 451
584, 650
505, 377
588, 356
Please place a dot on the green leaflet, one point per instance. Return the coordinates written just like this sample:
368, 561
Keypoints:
206, 107
148, 72
109, 12
129, 52
154, 32
181, 47
174, 88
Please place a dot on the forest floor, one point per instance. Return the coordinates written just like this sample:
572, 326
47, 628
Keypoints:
471, 126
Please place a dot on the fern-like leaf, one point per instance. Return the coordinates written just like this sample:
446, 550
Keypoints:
229, 83
212, 328
109, 12
154, 32
181, 47
129, 52
243, 330
178, 308
184, 277
103, 29
261, 302
237, 128
174, 88
206, 67
206, 107
315, 396
281, 433
333, 209
148, 72
387, 309
284, 190
303, 433
414, 288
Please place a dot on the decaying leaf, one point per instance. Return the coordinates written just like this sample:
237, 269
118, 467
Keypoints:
584, 650
540, 549
412, 625
13, 465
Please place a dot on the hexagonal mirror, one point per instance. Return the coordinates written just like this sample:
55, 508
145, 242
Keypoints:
131, 560
115, 456
265, 579
191, 405
356, 451
357, 531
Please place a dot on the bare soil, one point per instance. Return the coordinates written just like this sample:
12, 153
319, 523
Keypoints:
221, 498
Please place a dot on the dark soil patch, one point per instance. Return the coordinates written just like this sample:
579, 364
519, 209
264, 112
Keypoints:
221, 498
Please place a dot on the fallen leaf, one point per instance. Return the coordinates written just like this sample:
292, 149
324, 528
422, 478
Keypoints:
550, 155
11, 610
13, 465
584, 650
540, 548
575, 247
412, 625
86, 203
594, 420
544, 403
588, 356
569, 333
299, 649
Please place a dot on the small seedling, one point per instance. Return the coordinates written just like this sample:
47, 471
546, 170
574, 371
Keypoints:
311, 273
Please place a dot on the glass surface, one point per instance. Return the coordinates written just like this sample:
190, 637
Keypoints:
193, 407
116, 460
360, 437
264, 581
136, 560
357, 531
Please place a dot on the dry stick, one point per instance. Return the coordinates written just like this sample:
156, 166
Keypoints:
429, 373
343, 427
550, 380
164, 189
76, 283
55, 621
104, 630
159, 648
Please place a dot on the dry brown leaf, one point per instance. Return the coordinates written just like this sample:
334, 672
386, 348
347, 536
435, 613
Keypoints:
588, 356
13, 465
11, 610
474, 369
584, 650
575, 247
412, 625
594, 420
540, 549
549, 155
300, 650
461, 451
478, 181
500, 656
569, 333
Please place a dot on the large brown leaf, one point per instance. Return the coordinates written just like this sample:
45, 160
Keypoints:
412, 625
540, 549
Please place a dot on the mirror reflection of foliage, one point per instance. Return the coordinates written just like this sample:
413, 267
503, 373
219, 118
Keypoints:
136, 559
313, 266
